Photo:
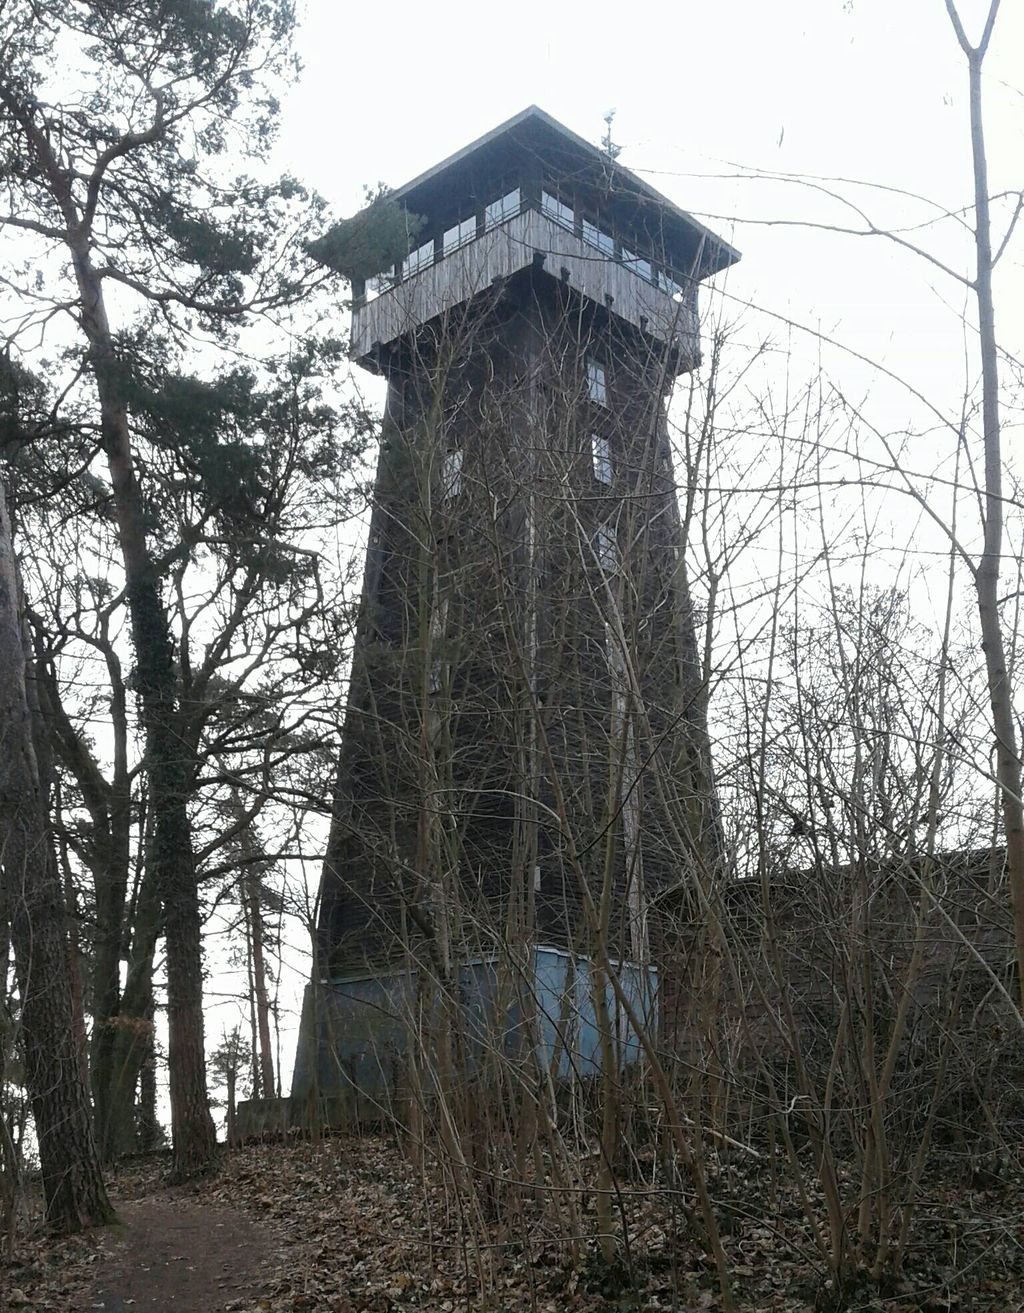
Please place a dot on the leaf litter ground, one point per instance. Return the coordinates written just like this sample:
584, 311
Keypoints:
350, 1225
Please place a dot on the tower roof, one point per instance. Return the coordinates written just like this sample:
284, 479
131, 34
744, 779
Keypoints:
534, 135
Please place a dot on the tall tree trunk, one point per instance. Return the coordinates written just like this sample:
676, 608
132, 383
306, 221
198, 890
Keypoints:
193, 1136
110, 878
1000, 688
74, 946
10, 1158
231, 1130
254, 1042
133, 1034
259, 985
149, 1125
72, 1182
108, 858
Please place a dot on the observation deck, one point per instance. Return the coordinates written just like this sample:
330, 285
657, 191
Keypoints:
531, 195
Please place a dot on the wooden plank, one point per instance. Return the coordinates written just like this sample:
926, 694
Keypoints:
505, 250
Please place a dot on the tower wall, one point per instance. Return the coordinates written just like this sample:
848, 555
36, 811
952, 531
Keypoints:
525, 640
524, 766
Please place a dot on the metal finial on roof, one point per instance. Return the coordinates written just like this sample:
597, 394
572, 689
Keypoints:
609, 146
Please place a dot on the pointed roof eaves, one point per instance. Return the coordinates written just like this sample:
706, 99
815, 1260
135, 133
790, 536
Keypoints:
722, 253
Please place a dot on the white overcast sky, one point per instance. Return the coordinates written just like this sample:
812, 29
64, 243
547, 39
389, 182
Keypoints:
873, 90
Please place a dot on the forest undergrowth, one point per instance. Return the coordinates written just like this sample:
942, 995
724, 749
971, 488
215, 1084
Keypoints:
361, 1230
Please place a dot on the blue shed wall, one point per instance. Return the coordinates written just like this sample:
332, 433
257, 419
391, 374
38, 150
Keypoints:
356, 1030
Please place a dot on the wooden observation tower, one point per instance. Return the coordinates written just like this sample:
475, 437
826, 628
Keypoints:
525, 764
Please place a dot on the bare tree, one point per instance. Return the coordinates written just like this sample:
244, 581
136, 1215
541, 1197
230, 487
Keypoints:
993, 634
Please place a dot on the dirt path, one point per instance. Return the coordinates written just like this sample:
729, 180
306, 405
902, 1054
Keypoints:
183, 1257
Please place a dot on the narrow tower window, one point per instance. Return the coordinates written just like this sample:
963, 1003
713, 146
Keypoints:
606, 549
506, 207
382, 282
601, 455
639, 265
557, 210
597, 387
418, 259
451, 474
597, 237
460, 235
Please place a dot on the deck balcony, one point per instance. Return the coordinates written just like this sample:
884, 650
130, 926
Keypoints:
527, 238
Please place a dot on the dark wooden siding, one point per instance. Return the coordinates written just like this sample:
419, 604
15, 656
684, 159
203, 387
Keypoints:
446, 775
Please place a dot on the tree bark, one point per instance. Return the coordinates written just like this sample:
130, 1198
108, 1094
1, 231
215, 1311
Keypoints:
231, 1131
193, 1136
169, 765
110, 881
132, 1045
1000, 688
149, 1124
259, 985
72, 1182
107, 854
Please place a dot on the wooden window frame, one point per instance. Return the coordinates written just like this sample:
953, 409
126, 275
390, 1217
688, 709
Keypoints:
601, 459
597, 382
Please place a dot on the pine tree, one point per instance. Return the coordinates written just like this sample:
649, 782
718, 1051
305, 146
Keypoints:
110, 178
33, 900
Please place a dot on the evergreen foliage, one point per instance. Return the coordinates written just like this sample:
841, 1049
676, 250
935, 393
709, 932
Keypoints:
368, 243
132, 140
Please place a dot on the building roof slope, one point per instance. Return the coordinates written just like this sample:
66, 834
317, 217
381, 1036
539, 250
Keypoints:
532, 129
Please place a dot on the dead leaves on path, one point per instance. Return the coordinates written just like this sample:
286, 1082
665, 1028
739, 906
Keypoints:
362, 1231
